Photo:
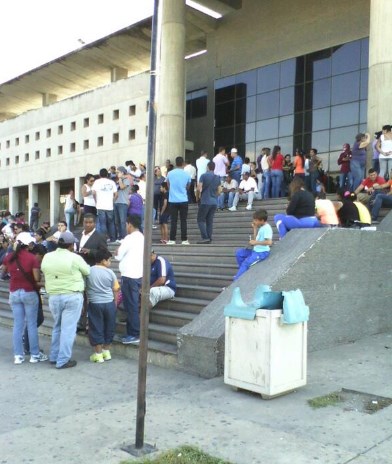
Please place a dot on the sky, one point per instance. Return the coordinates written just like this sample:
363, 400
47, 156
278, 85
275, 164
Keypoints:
33, 32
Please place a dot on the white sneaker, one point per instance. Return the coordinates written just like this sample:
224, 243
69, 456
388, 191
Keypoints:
40, 357
171, 242
185, 242
18, 359
233, 208
249, 207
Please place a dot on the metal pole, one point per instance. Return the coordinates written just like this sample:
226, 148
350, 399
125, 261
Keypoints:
144, 313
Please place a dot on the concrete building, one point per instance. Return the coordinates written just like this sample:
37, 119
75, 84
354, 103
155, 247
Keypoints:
299, 73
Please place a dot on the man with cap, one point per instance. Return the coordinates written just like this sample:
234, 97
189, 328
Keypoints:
64, 273
236, 165
162, 283
246, 191
121, 202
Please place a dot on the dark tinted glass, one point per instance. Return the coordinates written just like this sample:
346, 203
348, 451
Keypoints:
240, 111
251, 109
225, 94
343, 135
286, 101
267, 105
224, 137
364, 84
345, 88
188, 109
268, 78
320, 140
298, 123
299, 98
286, 126
248, 82
346, 57
345, 115
240, 91
198, 107
239, 134
365, 53
224, 114
318, 65
298, 142
267, 129
292, 72
318, 94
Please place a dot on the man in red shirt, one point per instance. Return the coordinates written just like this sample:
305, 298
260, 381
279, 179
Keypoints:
382, 199
366, 191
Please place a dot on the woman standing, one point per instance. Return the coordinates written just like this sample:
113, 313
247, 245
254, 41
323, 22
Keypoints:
69, 209
344, 163
23, 268
277, 160
299, 164
158, 181
384, 146
88, 197
358, 159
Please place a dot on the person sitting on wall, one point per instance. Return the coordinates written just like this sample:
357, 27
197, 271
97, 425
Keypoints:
300, 210
261, 242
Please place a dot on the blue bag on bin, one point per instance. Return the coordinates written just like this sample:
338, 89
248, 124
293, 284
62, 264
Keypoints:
237, 307
267, 299
294, 307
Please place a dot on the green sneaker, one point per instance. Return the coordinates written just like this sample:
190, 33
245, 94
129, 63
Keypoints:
106, 355
96, 358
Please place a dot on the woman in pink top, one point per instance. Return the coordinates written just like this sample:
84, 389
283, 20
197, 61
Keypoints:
277, 160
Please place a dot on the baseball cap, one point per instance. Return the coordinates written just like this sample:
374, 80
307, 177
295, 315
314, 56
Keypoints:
25, 238
234, 150
67, 237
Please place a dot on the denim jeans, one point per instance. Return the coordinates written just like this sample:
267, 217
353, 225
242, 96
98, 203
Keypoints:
246, 258
357, 173
106, 223
376, 165
174, 210
205, 220
385, 167
285, 223
130, 289
226, 197
381, 199
266, 179
276, 180
24, 306
345, 177
40, 320
101, 323
120, 217
69, 218
66, 309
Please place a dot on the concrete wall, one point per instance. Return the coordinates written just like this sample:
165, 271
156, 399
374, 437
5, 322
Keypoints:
344, 276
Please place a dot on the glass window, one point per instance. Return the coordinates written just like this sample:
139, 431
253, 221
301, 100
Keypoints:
248, 80
345, 88
318, 94
318, 65
343, 135
298, 123
225, 94
250, 150
320, 140
240, 111
286, 144
364, 84
224, 114
267, 105
251, 109
224, 137
286, 125
363, 108
250, 132
286, 101
239, 134
346, 57
317, 120
292, 72
267, 129
345, 115
365, 53
268, 78
269, 143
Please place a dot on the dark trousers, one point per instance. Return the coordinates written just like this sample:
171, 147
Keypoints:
130, 289
182, 209
205, 220
191, 192
102, 322
157, 204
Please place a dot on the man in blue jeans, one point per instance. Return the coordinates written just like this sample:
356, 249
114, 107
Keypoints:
105, 194
381, 200
64, 273
207, 186
130, 255
121, 203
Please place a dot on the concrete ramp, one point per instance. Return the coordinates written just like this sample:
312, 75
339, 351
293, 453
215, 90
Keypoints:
345, 276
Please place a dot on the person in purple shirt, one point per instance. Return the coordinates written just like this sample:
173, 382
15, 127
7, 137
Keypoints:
358, 159
135, 202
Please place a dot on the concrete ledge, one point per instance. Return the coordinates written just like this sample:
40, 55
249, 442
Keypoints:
345, 278
386, 223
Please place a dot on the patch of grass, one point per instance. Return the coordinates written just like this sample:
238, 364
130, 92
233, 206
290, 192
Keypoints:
181, 455
327, 400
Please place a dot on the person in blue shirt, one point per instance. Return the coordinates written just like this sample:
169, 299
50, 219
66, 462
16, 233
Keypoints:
162, 283
207, 186
236, 165
261, 242
178, 181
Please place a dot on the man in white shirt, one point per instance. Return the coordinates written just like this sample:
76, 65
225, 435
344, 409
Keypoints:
191, 170
201, 164
221, 162
247, 190
229, 188
105, 193
130, 255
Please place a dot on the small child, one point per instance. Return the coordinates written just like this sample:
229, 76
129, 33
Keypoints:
262, 239
164, 216
102, 292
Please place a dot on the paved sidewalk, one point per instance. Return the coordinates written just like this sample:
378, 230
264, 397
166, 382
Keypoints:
85, 414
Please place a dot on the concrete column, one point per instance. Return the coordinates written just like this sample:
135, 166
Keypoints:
171, 100
48, 99
13, 196
380, 65
33, 198
118, 73
54, 201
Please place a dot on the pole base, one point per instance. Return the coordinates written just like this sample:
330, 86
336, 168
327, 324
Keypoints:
146, 449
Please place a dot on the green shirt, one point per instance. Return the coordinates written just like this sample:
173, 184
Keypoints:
64, 272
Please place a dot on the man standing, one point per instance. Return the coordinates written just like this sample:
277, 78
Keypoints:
201, 164
121, 202
208, 185
178, 181
236, 165
35, 214
247, 191
130, 255
91, 240
191, 170
64, 273
221, 163
105, 193
162, 283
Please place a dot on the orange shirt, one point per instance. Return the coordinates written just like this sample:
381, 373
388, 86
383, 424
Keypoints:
299, 167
